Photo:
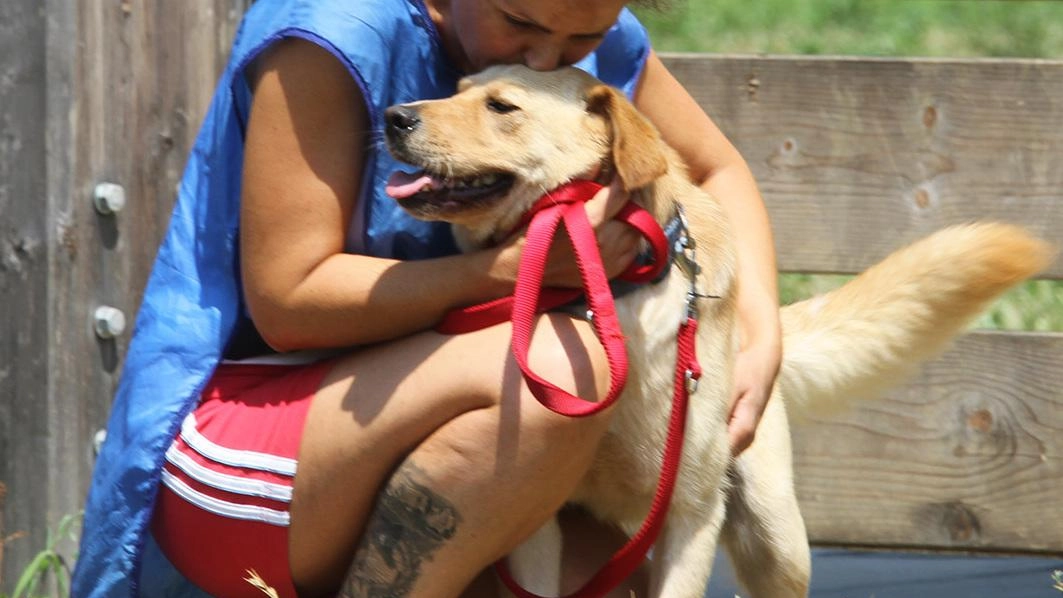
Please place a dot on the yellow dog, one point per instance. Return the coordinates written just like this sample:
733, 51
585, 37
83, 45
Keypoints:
489, 153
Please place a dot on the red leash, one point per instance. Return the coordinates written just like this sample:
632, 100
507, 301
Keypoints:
622, 564
565, 205
560, 201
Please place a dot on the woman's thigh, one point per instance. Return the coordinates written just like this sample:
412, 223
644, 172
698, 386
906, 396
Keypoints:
381, 403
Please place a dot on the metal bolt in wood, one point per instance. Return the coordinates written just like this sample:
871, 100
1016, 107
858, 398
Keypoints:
109, 322
109, 198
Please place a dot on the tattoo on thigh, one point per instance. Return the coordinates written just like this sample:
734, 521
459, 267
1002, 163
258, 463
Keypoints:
408, 525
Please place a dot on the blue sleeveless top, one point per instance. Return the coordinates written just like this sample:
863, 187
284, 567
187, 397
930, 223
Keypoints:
193, 301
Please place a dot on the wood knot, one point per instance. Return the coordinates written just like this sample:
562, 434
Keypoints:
980, 420
752, 86
922, 198
68, 240
983, 431
961, 522
930, 117
956, 521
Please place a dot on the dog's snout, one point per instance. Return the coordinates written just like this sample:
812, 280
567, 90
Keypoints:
402, 119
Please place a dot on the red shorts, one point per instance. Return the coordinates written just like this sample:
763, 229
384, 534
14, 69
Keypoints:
222, 509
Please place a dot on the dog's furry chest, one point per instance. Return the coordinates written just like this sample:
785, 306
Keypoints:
621, 483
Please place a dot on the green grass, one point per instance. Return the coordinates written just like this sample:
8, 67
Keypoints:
48, 573
953, 28
935, 28
1035, 306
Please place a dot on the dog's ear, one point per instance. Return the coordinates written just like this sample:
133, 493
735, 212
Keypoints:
638, 154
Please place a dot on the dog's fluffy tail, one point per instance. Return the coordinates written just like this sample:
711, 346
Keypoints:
853, 342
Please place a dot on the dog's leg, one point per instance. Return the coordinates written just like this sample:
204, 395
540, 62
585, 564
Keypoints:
764, 534
536, 564
683, 555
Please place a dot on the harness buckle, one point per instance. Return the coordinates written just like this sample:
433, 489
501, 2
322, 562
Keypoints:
687, 258
692, 381
682, 216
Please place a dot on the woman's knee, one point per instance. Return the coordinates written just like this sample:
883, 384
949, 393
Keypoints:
566, 352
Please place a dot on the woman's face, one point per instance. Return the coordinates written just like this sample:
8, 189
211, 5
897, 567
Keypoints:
541, 34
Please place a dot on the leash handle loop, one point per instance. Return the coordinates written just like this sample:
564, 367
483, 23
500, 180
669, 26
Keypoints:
628, 558
489, 313
599, 298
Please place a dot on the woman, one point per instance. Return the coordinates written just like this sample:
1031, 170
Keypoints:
287, 320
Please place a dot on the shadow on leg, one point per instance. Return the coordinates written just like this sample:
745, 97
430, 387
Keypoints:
684, 554
564, 555
764, 534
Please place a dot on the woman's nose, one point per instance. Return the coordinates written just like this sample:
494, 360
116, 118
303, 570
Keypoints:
542, 57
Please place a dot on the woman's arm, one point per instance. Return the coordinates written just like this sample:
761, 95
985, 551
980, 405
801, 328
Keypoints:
306, 140
719, 169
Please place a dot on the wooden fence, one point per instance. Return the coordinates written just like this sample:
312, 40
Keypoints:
854, 158
90, 91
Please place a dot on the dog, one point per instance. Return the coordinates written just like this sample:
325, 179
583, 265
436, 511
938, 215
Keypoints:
509, 134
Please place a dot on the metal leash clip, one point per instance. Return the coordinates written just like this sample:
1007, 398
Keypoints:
687, 258
692, 382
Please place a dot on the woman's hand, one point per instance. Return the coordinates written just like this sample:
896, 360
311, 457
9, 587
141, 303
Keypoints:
756, 368
618, 242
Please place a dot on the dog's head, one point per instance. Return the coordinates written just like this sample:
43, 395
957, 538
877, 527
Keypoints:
510, 134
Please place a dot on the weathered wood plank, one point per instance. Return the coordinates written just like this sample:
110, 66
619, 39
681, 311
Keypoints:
89, 92
969, 455
24, 224
3, 535
855, 156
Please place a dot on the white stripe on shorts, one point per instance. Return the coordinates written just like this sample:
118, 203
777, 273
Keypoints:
237, 458
222, 507
223, 481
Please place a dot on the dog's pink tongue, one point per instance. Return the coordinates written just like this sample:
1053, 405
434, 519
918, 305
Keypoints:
401, 185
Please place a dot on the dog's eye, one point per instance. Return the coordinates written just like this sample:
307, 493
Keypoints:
498, 106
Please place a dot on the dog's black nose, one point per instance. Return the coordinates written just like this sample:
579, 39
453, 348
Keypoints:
401, 119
